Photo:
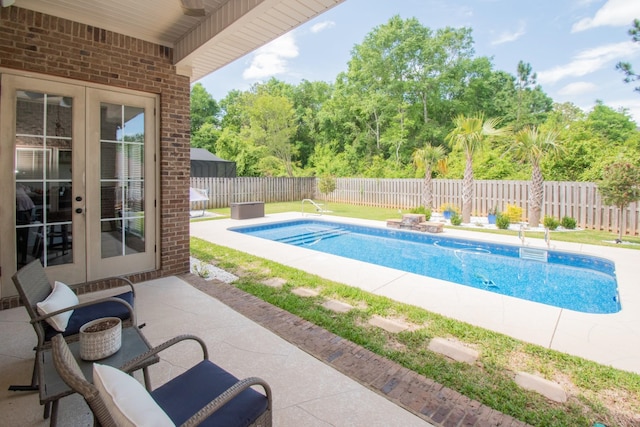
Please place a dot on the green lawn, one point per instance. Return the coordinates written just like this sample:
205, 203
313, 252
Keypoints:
597, 393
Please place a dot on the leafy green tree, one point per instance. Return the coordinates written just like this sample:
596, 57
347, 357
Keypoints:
625, 67
327, 162
235, 108
532, 145
524, 79
204, 109
564, 115
274, 87
427, 158
614, 126
590, 142
491, 91
470, 135
308, 100
206, 137
402, 86
327, 185
272, 125
492, 163
232, 146
620, 186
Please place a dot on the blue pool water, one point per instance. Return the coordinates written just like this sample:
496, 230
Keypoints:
562, 279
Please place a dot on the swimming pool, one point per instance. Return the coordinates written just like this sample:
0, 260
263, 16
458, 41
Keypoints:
567, 280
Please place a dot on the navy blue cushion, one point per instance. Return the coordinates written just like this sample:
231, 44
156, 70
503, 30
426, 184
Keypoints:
86, 314
186, 394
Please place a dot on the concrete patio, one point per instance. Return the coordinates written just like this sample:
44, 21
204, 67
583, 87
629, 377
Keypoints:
307, 392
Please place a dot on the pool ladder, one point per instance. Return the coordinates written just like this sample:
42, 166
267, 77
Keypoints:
547, 235
319, 209
533, 254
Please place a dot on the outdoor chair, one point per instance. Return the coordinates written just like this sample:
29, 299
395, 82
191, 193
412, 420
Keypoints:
34, 287
205, 394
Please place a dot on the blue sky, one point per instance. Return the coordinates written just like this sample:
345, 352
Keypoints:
573, 45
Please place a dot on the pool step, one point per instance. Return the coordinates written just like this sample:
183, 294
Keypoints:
313, 236
533, 254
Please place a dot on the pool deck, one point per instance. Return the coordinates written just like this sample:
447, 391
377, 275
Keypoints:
609, 339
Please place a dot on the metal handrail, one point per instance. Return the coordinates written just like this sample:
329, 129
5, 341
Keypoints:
318, 207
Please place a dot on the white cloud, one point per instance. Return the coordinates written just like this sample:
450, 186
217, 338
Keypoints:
506, 37
321, 26
577, 88
271, 59
589, 61
616, 13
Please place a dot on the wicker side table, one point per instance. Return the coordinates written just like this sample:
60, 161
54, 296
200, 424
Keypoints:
52, 388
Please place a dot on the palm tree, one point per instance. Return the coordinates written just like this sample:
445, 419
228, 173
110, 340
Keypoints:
532, 145
427, 158
470, 134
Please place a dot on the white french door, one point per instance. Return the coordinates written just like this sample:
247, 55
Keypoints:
80, 162
120, 183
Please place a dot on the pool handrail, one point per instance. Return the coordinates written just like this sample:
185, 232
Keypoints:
319, 208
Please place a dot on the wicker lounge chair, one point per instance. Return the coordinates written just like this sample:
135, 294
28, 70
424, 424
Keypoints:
204, 395
34, 287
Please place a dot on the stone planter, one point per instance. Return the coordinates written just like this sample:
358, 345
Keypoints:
100, 338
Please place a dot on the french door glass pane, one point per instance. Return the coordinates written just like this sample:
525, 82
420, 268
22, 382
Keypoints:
122, 213
43, 158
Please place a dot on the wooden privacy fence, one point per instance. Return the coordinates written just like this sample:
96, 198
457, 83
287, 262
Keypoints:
224, 191
579, 200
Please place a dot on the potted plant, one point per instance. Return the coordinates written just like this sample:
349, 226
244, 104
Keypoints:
448, 210
492, 215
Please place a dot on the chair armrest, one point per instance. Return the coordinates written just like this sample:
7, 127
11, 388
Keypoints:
126, 283
225, 397
133, 364
88, 303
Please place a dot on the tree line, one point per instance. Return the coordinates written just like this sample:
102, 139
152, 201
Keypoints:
399, 111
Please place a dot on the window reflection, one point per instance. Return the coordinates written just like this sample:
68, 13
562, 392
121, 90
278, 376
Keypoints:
122, 180
43, 159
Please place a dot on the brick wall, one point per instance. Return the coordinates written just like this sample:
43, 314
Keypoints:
39, 43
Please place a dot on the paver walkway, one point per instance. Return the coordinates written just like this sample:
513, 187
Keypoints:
427, 399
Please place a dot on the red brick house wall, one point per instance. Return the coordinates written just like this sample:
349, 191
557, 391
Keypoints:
39, 43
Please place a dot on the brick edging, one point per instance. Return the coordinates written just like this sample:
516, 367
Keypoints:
416, 393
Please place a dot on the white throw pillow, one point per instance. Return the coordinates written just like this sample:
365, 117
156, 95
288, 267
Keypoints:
61, 297
127, 401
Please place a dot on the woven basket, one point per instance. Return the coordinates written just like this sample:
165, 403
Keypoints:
100, 344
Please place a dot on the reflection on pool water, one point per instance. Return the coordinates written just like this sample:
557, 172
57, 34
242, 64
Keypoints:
562, 279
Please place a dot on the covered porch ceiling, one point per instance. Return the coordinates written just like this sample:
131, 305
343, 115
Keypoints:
228, 30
